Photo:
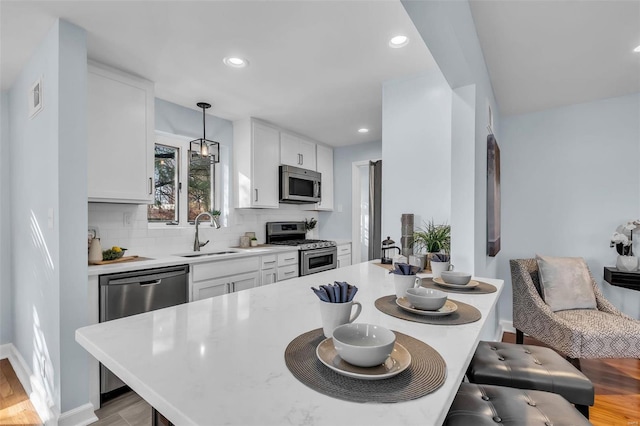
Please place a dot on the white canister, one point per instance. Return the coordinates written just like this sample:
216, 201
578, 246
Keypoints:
95, 250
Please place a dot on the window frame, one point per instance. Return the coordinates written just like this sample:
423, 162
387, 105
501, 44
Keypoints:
182, 144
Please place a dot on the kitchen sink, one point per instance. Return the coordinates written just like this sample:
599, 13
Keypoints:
215, 253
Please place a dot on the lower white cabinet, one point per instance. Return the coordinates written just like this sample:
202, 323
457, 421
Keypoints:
216, 278
287, 272
269, 276
344, 255
244, 281
278, 267
209, 288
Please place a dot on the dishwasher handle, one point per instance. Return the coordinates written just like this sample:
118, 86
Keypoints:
150, 283
145, 278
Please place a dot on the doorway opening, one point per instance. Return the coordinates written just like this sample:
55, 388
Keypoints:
366, 210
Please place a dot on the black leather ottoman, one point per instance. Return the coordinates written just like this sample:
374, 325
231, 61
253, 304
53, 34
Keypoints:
531, 367
479, 405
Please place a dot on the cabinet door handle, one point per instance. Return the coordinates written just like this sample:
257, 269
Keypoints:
289, 273
256, 194
268, 263
301, 159
291, 258
150, 186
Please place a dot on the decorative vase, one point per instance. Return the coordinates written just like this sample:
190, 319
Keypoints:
627, 263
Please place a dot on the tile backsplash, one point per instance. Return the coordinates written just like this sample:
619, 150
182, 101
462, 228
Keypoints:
126, 225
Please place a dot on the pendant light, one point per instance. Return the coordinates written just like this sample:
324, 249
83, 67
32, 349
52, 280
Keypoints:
203, 146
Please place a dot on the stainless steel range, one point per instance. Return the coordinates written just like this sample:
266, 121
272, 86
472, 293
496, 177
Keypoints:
315, 255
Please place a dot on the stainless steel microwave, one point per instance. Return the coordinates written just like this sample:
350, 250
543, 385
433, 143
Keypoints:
299, 186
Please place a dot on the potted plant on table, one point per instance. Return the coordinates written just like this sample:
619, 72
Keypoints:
622, 240
432, 239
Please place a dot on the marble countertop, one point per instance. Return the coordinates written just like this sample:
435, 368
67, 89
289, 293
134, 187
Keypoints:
221, 360
177, 259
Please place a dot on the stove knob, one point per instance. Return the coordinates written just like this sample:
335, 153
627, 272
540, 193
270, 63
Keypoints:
314, 245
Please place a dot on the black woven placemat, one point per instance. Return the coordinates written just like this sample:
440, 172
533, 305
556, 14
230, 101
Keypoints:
426, 373
481, 288
463, 315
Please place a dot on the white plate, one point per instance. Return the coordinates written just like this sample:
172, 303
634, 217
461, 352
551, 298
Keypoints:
468, 286
395, 364
448, 308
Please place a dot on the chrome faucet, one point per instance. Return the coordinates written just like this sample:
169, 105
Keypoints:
214, 224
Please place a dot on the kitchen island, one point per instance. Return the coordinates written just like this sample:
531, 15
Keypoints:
221, 360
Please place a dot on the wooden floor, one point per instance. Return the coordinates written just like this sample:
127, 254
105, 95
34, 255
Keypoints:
126, 410
617, 386
15, 406
616, 381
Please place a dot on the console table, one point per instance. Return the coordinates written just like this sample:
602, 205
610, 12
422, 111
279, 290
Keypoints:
622, 278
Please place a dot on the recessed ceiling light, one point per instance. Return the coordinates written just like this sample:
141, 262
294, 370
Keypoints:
399, 41
363, 130
637, 49
235, 62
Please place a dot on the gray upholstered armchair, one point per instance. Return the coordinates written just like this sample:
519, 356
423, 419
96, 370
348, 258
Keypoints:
604, 332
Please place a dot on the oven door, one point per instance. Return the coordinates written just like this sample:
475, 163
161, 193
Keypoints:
318, 260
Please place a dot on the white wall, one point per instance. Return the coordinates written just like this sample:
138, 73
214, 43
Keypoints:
6, 307
569, 178
72, 215
337, 224
34, 190
449, 32
47, 195
416, 151
142, 240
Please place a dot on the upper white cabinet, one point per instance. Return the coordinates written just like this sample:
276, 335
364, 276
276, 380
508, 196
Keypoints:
298, 152
324, 157
256, 153
121, 137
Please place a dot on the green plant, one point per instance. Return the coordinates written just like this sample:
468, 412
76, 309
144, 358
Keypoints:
215, 212
254, 239
309, 224
432, 238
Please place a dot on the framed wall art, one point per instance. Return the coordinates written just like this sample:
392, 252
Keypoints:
493, 196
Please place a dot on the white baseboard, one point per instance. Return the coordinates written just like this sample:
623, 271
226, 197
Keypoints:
507, 327
80, 416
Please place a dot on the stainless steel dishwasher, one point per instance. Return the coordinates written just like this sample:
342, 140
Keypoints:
130, 293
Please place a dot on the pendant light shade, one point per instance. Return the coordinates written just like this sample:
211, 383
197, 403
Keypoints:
204, 146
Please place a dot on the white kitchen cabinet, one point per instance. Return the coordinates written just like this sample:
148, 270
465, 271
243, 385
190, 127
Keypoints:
244, 281
120, 142
268, 269
256, 153
216, 278
288, 265
210, 288
344, 255
278, 267
296, 151
324, 158
287, 272
268, 276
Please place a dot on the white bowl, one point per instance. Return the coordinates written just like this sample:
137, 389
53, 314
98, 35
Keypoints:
428, 299
452, 277
363, 345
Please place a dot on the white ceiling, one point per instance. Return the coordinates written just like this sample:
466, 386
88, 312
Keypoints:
544, 54
315, 67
